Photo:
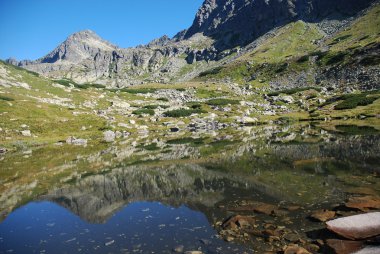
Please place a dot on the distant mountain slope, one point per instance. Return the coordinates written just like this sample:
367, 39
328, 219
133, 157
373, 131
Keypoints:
301, 54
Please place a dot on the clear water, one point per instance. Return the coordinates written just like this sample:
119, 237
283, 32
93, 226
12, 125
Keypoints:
140, 227
127, 199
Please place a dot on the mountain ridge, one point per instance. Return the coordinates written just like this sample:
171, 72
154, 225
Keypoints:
215, 36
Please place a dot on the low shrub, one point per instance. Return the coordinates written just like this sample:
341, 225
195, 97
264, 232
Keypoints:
5, 98
137, 91
351, 101
293, 91
221, 102
150, 147
213, 71
97, 86
155, 106
143, 111
187, 140
183, 112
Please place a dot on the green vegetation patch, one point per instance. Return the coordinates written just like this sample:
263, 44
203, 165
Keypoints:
137, 91
357, 130
69, 83
143, 111
222, 102
183, 112
150, 147
5, 98
351, 101
213, 71
293, 91
187, 140
155, 106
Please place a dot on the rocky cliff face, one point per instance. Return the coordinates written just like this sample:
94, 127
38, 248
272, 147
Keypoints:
236, 22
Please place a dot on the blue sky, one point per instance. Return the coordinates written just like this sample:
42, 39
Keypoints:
29, 29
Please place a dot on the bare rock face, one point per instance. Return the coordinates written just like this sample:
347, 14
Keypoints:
85, 58
77, 47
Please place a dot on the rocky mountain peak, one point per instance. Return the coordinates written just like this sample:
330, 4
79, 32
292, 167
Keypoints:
159, 42
77, 47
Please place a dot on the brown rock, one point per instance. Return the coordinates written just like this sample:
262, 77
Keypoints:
255, 232
258, 207
292, 207
323, 215
292, 237
356, 227
295, 249
362, 190
364, 203
239, 221
312, 247
343, 246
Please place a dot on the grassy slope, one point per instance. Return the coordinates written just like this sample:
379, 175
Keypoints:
290, 51
274, 56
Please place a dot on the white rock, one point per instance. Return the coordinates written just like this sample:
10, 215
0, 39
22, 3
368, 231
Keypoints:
124, 125
287, 99
26, 133
109, 136
76, 141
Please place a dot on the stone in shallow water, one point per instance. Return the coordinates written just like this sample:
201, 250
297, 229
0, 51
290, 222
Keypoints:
179, 249
239, 221
323, 215
344, 246
295, 249
357, 227
258, 207
364, 203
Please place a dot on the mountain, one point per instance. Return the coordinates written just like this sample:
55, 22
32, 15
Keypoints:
222, 31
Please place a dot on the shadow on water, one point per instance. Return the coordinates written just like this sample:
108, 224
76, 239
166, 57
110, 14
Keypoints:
128, 199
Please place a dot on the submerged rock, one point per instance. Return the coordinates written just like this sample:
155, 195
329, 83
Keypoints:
364, 203
323, 215
257, 207
239, 221
344, 246
295, 249
356, 227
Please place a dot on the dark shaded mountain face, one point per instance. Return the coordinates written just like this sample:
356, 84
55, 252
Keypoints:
234, 22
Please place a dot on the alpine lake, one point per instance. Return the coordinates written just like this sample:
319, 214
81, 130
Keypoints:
247, 190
